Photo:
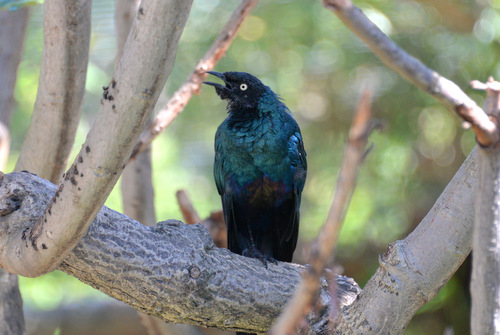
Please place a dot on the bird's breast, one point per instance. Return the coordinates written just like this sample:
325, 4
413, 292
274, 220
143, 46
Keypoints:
265, 192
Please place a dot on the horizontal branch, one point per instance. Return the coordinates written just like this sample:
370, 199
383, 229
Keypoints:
415, 71
173, 271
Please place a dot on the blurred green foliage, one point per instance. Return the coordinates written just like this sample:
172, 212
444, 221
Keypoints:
16, 4
303, 52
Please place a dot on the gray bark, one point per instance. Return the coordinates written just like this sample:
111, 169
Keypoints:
413, 270
172, 271
136, 182
485, 280
11, 305
12, 32
126, 105
61, 87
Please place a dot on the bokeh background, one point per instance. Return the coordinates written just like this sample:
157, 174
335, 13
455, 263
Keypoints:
304, 53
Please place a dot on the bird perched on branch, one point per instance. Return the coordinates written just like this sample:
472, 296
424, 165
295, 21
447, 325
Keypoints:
260, 169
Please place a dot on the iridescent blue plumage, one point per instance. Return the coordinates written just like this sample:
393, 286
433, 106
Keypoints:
260, 169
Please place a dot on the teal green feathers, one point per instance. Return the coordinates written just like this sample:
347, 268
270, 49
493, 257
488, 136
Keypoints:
259, 169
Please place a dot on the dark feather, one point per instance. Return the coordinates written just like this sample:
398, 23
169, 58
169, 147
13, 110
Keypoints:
260, 169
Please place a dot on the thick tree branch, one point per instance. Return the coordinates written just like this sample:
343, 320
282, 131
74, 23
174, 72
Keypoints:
61, 87
193, 83
415, 72
321, 250
413, 270
485, 282
126, 105
136, 182
172, 271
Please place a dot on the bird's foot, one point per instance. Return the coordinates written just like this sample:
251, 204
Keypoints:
254, 253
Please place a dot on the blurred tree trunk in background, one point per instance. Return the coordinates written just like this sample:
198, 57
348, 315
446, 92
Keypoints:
12, 34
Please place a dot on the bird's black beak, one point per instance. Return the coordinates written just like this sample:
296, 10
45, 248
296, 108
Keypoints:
222, 91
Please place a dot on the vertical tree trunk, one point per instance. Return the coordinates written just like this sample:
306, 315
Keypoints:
485, 290
61, 87
485, 283
136, 182
12, 33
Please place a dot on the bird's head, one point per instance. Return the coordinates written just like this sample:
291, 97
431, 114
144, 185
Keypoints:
241, 89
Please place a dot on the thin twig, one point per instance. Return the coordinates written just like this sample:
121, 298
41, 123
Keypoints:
415, 71
217, 227
321, 250
193, 83
186, 206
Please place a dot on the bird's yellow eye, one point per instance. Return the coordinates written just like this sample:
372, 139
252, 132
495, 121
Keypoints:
243, 87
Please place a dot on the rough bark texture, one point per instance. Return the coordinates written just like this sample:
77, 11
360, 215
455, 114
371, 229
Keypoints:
137, 180
61, 87
12, 33
412, 271
172, 270
485, 285
485, 281
126, 105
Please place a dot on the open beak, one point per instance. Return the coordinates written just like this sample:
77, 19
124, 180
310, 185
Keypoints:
221, 90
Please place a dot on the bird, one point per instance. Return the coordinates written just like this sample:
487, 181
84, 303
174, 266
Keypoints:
260, 169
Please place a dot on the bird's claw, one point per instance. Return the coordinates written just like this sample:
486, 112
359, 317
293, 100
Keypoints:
253, 253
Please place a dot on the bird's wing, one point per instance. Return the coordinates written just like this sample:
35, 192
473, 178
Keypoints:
220, 176
219, 163
297, 156
298, 160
